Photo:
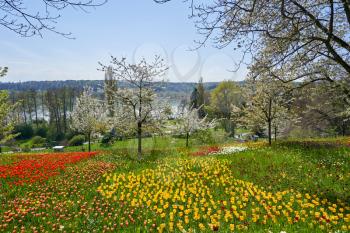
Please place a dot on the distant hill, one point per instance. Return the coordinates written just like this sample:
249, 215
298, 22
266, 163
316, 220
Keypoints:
97, 85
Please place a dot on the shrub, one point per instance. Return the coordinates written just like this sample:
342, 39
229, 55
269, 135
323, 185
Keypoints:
70, 134
26, 148
25, 131
53, 135
38, 141
41, 131
77, 140
204, 137
107, 139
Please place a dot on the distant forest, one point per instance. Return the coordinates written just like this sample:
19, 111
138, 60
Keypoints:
97, 85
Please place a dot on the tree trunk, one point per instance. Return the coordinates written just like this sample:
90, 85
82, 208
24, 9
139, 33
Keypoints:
139, 138
57, 123
233, 128
29, 106
24, 114
57, 112
42, 105
64, 117
187, 138
275, 133
270, 136
270, 121
34, 94
89, 139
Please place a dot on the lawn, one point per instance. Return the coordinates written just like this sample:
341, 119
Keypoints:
292, 186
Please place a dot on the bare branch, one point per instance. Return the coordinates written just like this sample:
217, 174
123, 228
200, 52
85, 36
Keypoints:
19, 17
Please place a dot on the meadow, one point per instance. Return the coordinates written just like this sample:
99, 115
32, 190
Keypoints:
292, 186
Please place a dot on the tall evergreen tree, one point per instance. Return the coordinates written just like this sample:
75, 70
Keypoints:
201, 98
110, 87
194, 99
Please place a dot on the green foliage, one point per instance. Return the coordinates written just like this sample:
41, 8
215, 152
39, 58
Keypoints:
41, 131
225, 101
70, 134
24, 131
6, 121
38, 141
107, 138
204, 137
53, 135
77, 140
26, 147
226, 94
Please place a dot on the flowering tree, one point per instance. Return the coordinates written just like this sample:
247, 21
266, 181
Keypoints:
154, 124
139, 99
266, 104
89, 115
295, 40
189, 122
6, 122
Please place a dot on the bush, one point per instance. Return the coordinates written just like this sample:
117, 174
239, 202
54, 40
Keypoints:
41, 131
26, 148
25, 131
53, 135
70, 134
77, 140
38, 140
204, 137
107, 139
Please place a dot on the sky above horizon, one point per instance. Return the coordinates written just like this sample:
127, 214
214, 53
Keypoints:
125, 28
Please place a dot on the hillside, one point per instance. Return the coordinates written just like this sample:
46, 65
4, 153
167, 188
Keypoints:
169, 87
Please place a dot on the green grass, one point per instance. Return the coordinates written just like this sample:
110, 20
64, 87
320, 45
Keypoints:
159, 142
319, 167
321, 170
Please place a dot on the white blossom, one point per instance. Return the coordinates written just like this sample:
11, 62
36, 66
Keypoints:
141, 112
89, 115
189, 122
229, 150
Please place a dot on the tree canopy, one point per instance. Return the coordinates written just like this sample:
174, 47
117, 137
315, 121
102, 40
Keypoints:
289, 39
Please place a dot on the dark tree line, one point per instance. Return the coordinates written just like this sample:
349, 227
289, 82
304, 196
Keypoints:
49, 109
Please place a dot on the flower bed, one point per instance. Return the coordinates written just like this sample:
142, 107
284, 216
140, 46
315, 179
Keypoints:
229, 150
214, 150
206, 150
62, 204
39, 167
203, 195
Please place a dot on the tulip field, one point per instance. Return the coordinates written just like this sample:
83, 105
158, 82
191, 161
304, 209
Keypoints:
251, 187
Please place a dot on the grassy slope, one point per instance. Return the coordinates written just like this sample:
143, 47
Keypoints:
321, 170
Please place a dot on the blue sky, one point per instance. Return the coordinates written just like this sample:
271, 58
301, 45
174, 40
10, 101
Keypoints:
130, 28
